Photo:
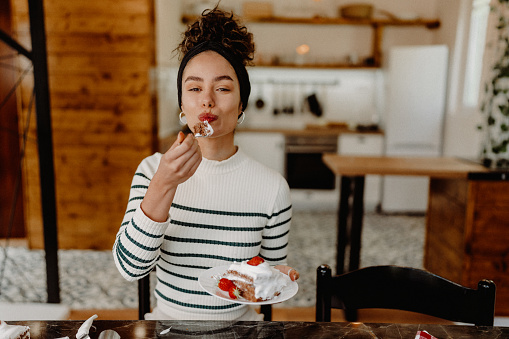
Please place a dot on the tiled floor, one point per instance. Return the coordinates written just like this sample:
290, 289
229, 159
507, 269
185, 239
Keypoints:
89, 279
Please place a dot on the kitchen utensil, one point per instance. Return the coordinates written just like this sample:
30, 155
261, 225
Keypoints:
109, 334
260, 103
314, 105
276, 102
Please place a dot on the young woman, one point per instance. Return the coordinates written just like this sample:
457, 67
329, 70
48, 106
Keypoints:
204, 203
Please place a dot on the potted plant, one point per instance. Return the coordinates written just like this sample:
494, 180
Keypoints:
495, 103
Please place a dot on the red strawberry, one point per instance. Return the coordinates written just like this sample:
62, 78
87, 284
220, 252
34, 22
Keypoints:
234, 292
224, 284
255, 261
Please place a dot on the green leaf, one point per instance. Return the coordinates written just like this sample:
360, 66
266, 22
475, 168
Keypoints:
504, 110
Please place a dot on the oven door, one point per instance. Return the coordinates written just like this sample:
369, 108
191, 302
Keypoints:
305, 168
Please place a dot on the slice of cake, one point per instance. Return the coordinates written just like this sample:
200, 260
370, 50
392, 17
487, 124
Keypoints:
14, 331
256, 280
203, 129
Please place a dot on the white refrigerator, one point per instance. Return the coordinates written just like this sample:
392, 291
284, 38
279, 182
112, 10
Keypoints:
416, 83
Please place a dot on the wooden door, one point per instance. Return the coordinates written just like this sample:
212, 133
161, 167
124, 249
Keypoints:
9, 138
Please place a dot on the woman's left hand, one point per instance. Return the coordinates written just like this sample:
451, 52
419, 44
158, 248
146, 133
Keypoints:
291, 272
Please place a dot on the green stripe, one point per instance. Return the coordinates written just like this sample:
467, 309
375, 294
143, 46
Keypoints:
130, 255
276, 236
139, 186
215, 227
146, 248
206, 307
136, 227
187, 277
185, 266
278, 224
280, 212
237, 214
274, 248
173, 287
199, 255
229, 213
135, 198
141, 175
127, 272
212, 242
141, 268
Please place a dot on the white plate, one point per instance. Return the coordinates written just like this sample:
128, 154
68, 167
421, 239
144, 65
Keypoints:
209, 284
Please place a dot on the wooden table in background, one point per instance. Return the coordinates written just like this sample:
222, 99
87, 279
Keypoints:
353, 169
467, 231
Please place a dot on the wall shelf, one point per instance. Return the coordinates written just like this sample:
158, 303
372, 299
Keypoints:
378, 25
428, 23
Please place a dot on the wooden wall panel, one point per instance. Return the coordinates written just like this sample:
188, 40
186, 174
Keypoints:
11, 212
100, 53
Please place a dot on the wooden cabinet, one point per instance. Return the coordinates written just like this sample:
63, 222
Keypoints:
376, 24
468, 233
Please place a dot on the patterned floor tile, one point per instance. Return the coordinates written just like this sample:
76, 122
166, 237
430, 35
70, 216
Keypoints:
89, 279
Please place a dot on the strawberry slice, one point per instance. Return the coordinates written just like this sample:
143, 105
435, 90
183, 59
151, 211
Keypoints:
224, 284
255, 261
234, 292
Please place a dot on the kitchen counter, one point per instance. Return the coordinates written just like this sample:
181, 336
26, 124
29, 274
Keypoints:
310, 131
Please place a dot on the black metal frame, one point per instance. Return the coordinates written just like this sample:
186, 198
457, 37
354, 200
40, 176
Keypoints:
350, 214
38, 56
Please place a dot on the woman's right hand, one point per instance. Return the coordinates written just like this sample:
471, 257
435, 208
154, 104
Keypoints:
180, 162
177, 165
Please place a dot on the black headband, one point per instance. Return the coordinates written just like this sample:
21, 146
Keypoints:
240, 69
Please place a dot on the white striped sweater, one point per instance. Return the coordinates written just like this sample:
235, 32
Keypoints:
229, 210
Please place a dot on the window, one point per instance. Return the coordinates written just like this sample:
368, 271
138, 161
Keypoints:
476, 46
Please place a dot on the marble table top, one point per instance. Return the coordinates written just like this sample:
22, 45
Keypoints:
262, 329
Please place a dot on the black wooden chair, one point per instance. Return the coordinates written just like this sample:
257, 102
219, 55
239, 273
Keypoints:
403, 288
144, 300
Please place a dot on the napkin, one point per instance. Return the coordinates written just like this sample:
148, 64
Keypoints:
85, 327
13, 331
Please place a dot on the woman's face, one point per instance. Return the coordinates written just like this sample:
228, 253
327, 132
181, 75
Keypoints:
210, 91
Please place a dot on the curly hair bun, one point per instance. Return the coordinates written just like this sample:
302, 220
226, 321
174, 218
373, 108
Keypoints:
221, 27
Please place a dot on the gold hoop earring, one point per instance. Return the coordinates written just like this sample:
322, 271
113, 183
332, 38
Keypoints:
182, 118
241, 118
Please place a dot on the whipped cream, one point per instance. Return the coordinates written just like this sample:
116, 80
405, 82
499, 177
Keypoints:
266, 279
203, 129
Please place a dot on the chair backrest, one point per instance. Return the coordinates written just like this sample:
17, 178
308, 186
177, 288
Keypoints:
404, 288
144, 300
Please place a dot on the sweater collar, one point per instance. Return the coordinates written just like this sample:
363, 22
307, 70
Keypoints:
228, 165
